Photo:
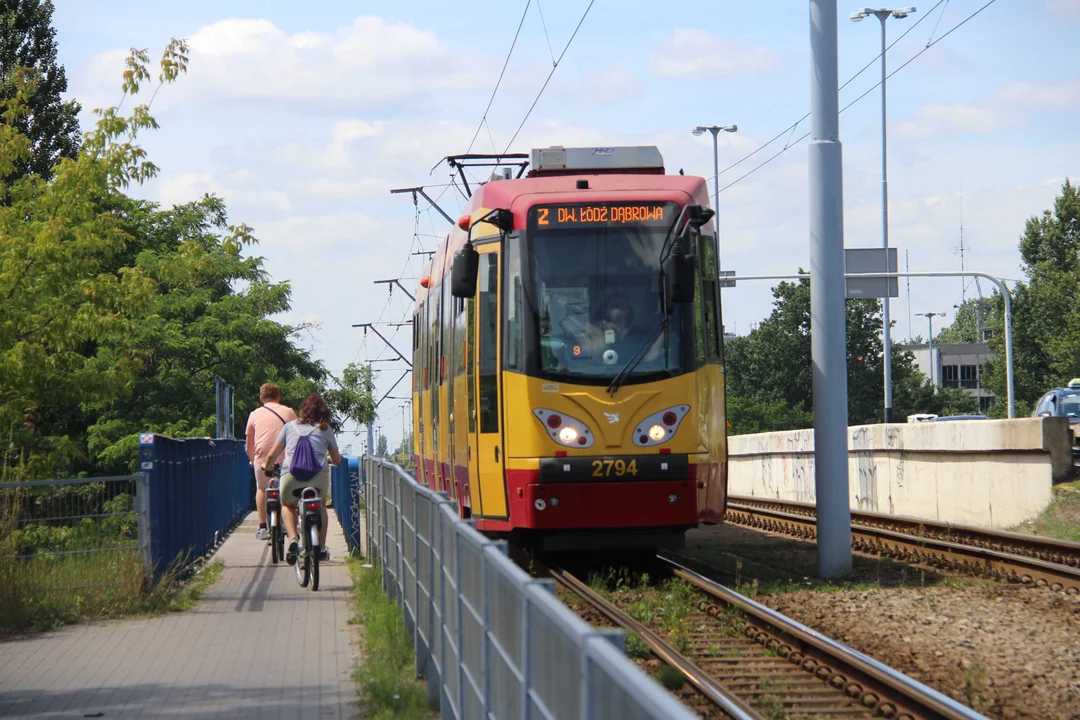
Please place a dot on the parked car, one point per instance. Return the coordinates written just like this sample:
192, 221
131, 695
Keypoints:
1060, 402
1063, 402
930, 417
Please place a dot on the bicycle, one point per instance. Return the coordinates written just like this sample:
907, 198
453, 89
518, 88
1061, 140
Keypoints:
273, 515
309, 529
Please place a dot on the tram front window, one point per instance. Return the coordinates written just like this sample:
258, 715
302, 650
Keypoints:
597, 298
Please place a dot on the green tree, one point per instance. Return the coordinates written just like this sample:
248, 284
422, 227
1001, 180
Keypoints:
68, 308
971, 316
1046, 324
210, 317
382, 446
769, 378
352, 397
51, 124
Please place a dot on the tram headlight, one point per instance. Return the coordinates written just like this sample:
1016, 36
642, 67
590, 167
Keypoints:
563, 429
659, 427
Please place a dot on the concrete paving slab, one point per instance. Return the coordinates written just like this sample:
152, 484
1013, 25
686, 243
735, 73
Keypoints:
256, 646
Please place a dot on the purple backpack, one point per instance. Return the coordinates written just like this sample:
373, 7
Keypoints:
305, 465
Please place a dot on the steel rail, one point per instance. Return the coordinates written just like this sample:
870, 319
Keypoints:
877, 686
697, 677
1062, 552
901, 539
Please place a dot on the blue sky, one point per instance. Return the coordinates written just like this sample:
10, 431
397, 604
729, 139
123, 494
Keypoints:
303, 116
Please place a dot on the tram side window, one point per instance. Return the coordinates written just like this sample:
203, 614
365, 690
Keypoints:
416, 349
425, 340
459, 344
470, 362
489, 319
706, 312
447, 332
514, 337
433, 339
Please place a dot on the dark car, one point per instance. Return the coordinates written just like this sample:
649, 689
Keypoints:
1063, 402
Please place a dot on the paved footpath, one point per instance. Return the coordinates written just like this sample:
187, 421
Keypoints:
225, 658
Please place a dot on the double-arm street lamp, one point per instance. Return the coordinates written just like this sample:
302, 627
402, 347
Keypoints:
884, 14
715, 130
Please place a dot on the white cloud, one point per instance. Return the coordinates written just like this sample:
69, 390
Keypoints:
938, 120
240, 187
370, 62
698, 53
1065, 94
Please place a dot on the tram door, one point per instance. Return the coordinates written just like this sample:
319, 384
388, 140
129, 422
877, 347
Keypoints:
486, 473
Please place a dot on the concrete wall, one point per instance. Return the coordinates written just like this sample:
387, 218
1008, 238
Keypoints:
993, 473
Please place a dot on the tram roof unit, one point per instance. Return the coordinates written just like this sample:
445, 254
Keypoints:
559, 160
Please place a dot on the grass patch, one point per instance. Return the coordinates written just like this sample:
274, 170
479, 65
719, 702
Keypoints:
669, 607
671, 678
1062, 519
116, 586
187, 596
387, 678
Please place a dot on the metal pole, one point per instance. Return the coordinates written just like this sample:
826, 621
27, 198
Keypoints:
886, 329
1010, 387
930, 342
827, 311
217, 406
716, 195
371, 430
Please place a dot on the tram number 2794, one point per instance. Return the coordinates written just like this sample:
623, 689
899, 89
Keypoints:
618, 468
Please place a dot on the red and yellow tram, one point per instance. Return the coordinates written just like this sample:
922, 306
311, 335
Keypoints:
568, 378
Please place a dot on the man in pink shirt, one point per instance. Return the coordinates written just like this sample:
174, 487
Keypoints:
263, 426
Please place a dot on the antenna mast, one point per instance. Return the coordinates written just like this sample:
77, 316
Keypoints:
907, 269
963, 281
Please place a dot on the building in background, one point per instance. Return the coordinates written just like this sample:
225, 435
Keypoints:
956, 365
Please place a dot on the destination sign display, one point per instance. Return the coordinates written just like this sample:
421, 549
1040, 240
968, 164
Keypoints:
573, 215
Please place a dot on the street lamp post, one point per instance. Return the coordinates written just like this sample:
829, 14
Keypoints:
715, 130
930, 341
883, 15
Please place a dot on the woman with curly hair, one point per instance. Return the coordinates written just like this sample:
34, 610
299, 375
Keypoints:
313, 423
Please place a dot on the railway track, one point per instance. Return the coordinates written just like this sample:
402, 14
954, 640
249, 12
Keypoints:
753, 662
995, 554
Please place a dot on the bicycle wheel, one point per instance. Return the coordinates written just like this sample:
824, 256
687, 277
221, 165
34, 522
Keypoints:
303, 563
275, 534
313, 543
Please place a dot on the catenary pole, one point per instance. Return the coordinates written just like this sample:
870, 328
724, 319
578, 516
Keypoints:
827, 298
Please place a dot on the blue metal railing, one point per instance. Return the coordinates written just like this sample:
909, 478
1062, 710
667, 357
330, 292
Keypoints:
346, 493
199, 489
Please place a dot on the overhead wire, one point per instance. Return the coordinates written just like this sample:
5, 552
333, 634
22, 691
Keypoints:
483, 118
543, 22
860, 97
554, 67
790, 129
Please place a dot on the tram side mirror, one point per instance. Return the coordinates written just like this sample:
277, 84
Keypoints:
464, 272
680, 276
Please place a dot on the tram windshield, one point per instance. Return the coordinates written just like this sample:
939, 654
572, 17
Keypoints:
596, 296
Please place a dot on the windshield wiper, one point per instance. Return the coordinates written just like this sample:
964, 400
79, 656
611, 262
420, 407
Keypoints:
637, 357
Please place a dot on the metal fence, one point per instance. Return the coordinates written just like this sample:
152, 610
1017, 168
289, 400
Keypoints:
199, 489
491, 641
69, 536
347, 491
